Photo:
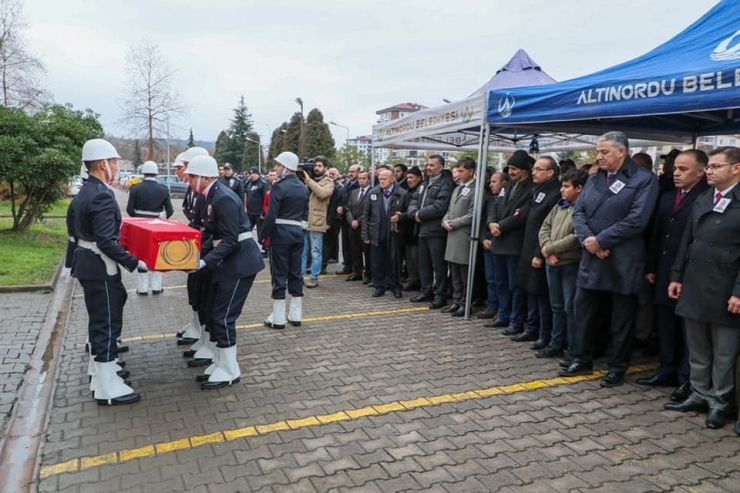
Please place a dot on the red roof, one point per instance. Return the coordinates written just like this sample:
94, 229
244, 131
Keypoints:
401, 107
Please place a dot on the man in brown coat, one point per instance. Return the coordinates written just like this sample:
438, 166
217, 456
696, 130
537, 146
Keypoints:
321, 188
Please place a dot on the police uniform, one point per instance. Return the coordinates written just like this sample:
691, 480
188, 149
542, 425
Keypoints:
149, 199
235, 184
283, 225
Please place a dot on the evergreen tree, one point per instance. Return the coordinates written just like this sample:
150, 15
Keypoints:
318, 140
239, 130
252, 150
137, 154
191, 140
349, 155
292, 136
276, 143
222, 148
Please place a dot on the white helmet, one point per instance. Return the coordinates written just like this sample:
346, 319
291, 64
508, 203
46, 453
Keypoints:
189, 154
97, 149
288, 159
179, 160
84, 173
149, 168
203, 166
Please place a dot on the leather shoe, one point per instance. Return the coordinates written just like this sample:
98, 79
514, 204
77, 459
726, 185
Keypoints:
565, 362
273, 326
189, 353
687, 406
460, 312
398, 293
576, 369
199, 362
378, 292
539, 344
658, 380
496, 324
120, 401
613, 379
452, 308
186, 341
486, 314
367, 280
123, 373
682, 393
202, 378
411, 286
715, 419
354, 277
436, 304
524, 337
122, 348
549, 352
421, 298
217, 385
512, 331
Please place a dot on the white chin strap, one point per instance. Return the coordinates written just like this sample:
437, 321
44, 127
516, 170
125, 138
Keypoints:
198, 182
106, 168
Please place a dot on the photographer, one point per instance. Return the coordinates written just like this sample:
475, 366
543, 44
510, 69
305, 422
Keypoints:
321, 188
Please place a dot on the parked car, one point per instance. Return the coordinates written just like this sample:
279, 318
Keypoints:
173, 183
133, 181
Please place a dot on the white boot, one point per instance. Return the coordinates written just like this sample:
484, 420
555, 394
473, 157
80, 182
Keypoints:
268, 321
142, 287
211, 368
156, 282
296, 311
202, 338
92, 374
205, 355
227, 370
110, 387
278, 314
192, 330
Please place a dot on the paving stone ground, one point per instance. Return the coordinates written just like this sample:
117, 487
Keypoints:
559, 437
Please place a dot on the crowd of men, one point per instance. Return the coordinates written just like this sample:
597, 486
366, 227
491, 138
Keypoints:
579, 262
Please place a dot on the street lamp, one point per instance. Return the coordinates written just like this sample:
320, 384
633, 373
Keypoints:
446, 100
300, 137
342, 126
259, 153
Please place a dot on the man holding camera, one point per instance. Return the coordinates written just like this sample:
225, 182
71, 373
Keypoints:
321, 188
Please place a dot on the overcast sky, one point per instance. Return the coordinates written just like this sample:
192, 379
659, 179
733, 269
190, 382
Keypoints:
347, 58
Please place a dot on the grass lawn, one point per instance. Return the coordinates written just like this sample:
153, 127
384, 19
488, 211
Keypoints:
31, 257
58, 209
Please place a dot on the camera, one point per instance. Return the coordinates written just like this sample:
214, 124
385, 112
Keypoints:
306, 169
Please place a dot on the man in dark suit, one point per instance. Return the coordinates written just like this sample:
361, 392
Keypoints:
410, 235
380, 230
507, 217
610, 218
705, 279
234, 262
359, 251
428, 205
671, 215
351, 184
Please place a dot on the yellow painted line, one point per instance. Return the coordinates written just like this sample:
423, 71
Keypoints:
323, 318
80, 464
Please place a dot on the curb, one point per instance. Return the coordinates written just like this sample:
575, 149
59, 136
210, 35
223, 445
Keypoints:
36, 287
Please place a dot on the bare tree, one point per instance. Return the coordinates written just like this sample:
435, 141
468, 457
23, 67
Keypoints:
21, 73
149, 102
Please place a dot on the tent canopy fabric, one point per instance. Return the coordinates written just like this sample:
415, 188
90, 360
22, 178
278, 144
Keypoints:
520, 71
687, 87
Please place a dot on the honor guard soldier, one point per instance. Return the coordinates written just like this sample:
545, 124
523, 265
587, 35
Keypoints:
284, 225
97, 224
72, 244
149, 199
234, 263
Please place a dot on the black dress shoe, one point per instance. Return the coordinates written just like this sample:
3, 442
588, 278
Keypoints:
123, 348
273, 326
512, 331
452, 308
460, 312
367, 280
682, 393
658, 380
193, 363
123, 373
217, 385
294, 323
157, 292
354, 277
421, 298
202, 378
186, 341
411, 286
613, 379
378, 292
496, 324
565, 362
120, 401
120, 363
715, 419
539, 344
576, 369
189, 353
549, 352
436, 304
524, 337
398, 293
687, 406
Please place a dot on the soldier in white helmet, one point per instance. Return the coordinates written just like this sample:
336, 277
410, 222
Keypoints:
97, 224
149, 199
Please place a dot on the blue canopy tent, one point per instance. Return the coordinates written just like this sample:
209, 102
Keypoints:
684, 88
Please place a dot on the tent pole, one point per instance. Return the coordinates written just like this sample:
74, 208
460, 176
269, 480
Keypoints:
480, 177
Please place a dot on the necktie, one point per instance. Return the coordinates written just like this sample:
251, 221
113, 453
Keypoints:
387, 193
362, 193
609, 179
717, 197
680, 194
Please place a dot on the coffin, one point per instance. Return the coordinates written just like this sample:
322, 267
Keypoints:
162, 244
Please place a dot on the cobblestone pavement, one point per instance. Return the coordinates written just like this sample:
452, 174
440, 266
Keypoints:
375, 395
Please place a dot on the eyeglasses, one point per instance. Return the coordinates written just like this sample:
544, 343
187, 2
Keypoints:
716, 166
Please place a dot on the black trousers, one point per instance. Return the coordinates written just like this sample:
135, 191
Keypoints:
285, 268
432, 266
104, 301
331, 244
255, 221
386, 265
199, 286
359, 254
226, 302
346, 251
674, 353
624, 311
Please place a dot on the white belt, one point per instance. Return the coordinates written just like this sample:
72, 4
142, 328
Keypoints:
292, 222
242, 236
111, 268
149, 213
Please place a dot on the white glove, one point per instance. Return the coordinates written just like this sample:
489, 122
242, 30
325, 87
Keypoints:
142, 267
201, 264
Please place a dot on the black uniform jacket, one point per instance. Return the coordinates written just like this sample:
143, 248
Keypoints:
149, 196
97, 218
288, 200
255, 192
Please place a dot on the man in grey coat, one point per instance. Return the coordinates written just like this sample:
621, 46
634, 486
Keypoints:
457, 222
705, 279
610, 218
